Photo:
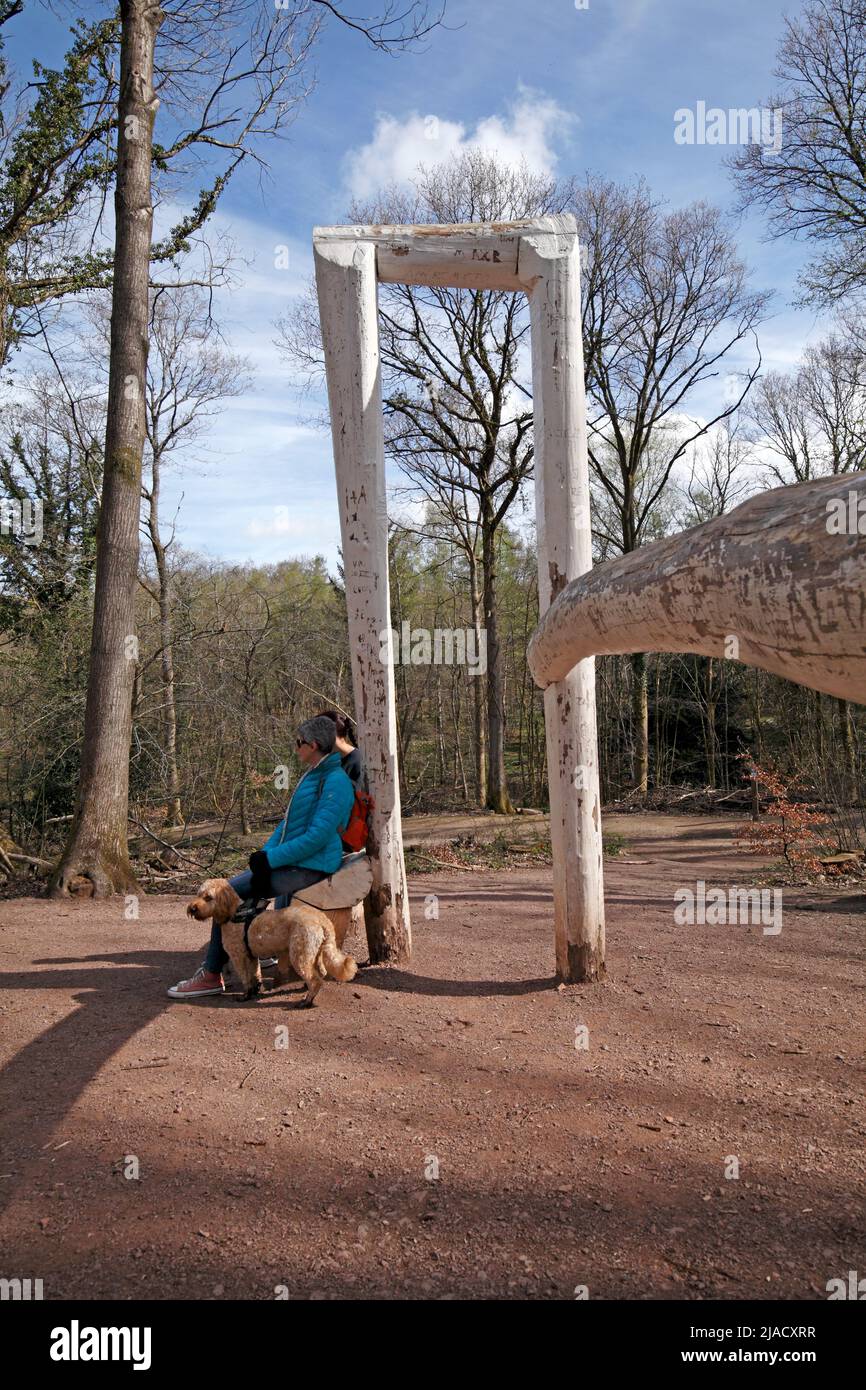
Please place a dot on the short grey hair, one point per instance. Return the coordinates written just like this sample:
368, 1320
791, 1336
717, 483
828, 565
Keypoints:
322, 731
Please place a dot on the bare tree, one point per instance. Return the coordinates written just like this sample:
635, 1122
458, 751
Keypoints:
814, 184
813, 418
834, 384
188, 375
718, 480
666, 306
97, 847
779, 418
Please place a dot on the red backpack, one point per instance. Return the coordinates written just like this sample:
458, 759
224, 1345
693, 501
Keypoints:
357, 830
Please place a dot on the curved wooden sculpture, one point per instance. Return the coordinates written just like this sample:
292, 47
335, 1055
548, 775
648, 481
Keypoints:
779, 583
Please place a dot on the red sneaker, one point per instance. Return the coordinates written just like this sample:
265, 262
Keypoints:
201, 983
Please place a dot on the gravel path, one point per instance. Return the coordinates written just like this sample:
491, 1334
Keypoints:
280, 1149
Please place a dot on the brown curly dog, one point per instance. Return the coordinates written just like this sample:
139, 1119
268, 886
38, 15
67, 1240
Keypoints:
301, 937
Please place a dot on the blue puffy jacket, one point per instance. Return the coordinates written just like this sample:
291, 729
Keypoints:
308, 836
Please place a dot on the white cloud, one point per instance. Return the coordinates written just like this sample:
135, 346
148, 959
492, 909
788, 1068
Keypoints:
529, 131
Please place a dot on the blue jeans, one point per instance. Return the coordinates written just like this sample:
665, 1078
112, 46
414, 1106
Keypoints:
285, 883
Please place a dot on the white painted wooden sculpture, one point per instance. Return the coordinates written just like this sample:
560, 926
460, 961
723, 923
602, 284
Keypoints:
779, 583
339, 895
539, 258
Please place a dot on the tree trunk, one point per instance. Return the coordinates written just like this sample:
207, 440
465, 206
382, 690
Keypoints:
820, 729
758, 715
660, 764
710, 736
460, 783
640, 722
440, 732
166, 637
498, 798
169, 713
478, 688
847, 730
97, 847
5, 314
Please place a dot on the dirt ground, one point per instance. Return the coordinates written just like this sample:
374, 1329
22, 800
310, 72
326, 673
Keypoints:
311, 1167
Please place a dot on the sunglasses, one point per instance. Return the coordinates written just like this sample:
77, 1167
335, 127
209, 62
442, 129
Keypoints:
299, 742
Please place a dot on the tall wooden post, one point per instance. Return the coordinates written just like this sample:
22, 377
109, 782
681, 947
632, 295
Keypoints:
549, 267
346, 281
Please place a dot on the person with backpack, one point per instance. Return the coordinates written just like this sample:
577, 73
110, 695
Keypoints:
305, 847
357, 831
354, 836
347, 747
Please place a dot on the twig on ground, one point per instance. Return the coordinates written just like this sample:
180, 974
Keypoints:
440, 863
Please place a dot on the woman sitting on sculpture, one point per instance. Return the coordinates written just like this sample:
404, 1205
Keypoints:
304, 848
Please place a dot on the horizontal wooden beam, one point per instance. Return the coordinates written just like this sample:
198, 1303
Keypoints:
482, 255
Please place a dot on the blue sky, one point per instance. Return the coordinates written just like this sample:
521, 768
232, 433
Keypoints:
573, 89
